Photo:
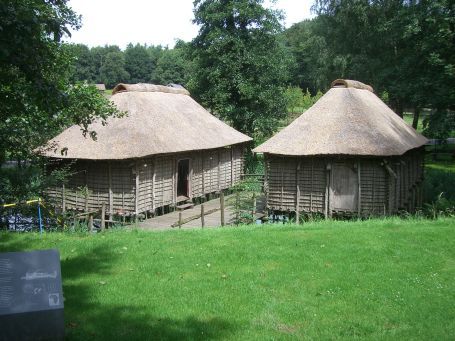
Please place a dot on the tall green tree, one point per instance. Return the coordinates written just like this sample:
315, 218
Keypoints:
138, 63
113, 71
240, 69
37, 98
172, 67
405, 48
82, 66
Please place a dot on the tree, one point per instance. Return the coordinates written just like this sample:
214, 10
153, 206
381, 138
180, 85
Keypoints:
82, 66
99, 54
240, 70
138, 63
172, 66
113, 69
401, 47
37, 99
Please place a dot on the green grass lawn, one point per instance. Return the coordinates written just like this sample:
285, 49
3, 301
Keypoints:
378, 279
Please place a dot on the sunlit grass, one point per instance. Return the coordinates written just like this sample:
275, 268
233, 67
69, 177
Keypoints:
375, 279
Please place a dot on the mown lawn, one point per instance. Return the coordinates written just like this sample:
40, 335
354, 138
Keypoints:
378, 279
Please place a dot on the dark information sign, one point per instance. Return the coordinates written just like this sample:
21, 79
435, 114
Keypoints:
31, 297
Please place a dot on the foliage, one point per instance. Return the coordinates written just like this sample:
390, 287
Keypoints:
172, 67
298, 100
264, 282
138, 64
113, 69
440, 124
402, 48
37, 99
240, 69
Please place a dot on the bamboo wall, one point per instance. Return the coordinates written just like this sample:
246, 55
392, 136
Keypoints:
135, 186
382, 185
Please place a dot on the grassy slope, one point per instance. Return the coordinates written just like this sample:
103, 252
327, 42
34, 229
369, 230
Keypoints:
383, 279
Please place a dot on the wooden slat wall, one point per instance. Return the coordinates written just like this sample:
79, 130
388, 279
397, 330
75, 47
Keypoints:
210, 171
282, 177
164, 186
238, 162
281, 183
312, 183
380, 192
157, 183
196, 181
145, 171
225, 168
123, 185
373, 188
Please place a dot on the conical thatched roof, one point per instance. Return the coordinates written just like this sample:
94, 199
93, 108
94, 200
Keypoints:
160, 120
349, 119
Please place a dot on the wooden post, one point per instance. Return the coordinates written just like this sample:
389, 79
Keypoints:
137, 193
63, 199
282, 183
202, 216
180, 219
86, 190
222, 207
232, 166
90, 222
237, 207
359, 191
297, 199
111, 193
103, 216
203, 175
327, 212
219, 170
153, 186
253, 212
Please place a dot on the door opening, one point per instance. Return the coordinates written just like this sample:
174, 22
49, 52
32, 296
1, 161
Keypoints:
183, 178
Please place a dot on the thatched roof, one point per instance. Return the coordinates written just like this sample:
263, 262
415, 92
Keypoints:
348, 120
160, 120
100, 87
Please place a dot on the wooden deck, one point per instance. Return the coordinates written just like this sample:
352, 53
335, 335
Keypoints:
192, 217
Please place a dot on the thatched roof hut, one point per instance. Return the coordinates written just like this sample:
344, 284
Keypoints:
349, 139
167, 149
100, 87
160, 120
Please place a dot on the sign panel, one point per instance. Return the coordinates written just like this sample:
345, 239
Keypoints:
31, 285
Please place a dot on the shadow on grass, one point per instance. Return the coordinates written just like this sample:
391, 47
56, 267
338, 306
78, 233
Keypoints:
87, 318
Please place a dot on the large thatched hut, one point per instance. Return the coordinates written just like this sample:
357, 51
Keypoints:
348, 154
167, 149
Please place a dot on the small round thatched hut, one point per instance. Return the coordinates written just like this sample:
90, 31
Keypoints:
349, 154
168, 149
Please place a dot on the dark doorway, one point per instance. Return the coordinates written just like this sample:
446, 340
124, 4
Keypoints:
183, 178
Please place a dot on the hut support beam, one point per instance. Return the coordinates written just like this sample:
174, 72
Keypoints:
63, 199
136, 204
327, 210
111, 194
219, 170
359, 190
232, 166
153, 185
297, 199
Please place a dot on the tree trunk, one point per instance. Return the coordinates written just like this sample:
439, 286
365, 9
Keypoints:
415, 121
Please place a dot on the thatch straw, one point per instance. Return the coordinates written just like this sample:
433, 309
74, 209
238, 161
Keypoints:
158, 122
347, 120
143, 87
100, 87
348, 83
